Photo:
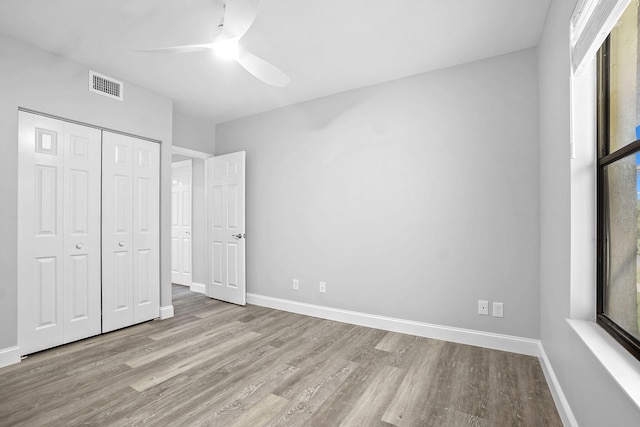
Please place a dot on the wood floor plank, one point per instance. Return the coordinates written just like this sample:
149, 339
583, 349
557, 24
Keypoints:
261, 413
235, 402
219, 309
414, 392
451, 390
218, 364
184, 364
370, 362
200, 324
468, 386
193, 340
308, 395
369, 408
402, 348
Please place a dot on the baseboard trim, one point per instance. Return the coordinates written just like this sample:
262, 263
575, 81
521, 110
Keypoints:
491, 340
198, 287
566, 414
166, 312
9, 356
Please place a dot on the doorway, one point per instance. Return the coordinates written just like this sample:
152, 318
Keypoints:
188, 219
181, 219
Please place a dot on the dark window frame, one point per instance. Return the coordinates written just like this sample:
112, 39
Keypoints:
605, 158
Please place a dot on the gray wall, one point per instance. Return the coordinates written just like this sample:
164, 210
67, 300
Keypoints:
193, 133
412, 199
595, 399
179, 157
45, 82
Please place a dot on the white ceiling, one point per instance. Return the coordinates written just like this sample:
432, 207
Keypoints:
325, 46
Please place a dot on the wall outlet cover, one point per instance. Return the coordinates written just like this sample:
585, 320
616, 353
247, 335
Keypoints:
498, 309
483, 307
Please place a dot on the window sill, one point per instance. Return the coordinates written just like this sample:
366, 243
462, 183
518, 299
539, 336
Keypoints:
621, 365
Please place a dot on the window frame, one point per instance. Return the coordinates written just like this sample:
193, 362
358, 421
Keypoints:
605, 158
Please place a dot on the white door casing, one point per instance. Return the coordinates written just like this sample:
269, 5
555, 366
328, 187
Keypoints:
130, 231
181, 202
226, 227
58, 232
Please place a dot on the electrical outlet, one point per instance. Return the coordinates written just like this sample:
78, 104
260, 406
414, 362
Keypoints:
296, 284
498, 309
323, 287
483, 307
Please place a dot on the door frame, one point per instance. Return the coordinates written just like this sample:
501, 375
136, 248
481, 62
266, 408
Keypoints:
195, 154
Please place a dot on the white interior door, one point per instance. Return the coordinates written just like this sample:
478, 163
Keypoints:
58, 232
130, 231
181, 191
226, 227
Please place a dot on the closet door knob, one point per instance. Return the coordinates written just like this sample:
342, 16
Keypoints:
79, 246
121, 244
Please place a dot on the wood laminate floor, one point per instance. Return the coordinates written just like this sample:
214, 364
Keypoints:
218, 364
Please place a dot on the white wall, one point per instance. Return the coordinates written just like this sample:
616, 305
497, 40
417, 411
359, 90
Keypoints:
45, 82
411, 199
595, 399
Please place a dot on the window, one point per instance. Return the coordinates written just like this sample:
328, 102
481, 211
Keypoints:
619, 182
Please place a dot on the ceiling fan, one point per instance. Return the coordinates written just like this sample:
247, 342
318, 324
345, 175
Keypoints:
237, 19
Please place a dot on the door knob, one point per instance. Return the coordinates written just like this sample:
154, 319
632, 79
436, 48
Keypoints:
79, 246
121, 243
238, 236
187, 232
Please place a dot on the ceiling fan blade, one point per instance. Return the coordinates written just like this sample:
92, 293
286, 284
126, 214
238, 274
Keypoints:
261, 69
238, 16
189, 48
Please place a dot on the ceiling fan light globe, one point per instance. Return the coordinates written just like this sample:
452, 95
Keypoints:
226, 49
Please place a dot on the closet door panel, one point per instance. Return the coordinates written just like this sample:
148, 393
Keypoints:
117, 241
146, 226
82, 261
40, 236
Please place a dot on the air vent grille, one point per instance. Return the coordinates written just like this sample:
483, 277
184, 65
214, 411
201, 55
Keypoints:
106, 86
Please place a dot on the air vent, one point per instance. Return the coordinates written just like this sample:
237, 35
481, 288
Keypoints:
106, 86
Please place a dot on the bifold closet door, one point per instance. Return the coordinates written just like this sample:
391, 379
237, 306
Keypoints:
130, 231
58, 232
